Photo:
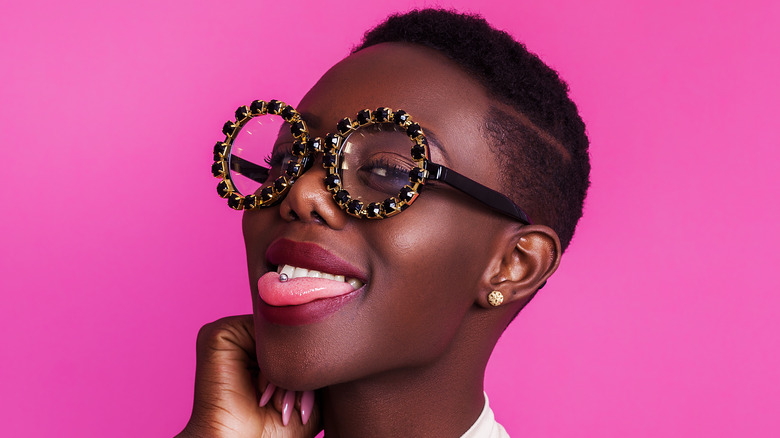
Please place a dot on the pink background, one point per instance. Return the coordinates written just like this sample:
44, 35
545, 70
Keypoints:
115, 249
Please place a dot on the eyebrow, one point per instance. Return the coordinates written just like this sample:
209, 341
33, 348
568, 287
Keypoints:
311, 120
315, 122
433, 141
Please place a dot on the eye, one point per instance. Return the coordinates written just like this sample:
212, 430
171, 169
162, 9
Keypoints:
274, 164
379, 171
385, 174
277, 158
281, 154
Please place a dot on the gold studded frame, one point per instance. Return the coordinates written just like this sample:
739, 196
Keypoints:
391, 206
304, 148
330, 147
273, 193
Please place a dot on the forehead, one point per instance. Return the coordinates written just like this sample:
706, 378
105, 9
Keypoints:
439, 95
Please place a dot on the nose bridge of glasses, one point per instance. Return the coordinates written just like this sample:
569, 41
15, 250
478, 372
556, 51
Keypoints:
322, 159
307, 194
308, 153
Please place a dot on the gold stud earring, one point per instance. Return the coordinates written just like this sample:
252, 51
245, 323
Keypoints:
495, 298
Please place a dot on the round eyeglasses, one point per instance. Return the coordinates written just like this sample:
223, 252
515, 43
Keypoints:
375, 165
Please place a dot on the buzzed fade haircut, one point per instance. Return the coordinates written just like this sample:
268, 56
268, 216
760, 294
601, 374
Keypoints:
544, 148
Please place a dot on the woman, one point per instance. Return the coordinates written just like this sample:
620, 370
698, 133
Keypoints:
398, 345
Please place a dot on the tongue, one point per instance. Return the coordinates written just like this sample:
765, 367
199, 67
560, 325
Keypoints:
299, 290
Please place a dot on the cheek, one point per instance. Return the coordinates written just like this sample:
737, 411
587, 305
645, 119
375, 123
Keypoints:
256, 226
428, 269
441, 249
249, 230
251, 236
440, 241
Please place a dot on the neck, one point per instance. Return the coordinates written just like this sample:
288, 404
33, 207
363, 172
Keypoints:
442, 399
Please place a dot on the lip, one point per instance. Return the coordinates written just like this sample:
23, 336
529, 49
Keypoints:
310, 256
308, 313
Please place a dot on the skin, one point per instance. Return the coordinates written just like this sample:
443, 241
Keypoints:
409, 353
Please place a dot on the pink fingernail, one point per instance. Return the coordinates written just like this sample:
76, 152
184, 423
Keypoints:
307, 404
267, 394
287, 406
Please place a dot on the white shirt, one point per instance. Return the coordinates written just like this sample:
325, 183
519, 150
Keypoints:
486, 425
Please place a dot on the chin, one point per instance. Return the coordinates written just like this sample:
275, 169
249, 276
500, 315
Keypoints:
299, 375
291, 359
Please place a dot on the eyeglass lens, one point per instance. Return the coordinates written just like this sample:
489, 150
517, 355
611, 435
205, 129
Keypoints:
375, 159
259, 153
375, 162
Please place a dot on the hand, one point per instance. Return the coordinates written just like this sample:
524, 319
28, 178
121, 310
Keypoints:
229, 386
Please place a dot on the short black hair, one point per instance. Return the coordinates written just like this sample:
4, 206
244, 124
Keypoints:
545, 146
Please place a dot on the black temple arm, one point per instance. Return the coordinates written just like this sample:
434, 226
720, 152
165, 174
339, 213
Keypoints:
248, 169
477, 191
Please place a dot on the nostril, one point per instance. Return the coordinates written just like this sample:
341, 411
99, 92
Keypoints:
317, 218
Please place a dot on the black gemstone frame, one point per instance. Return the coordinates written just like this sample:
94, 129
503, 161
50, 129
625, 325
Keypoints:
333, 154
223, 158
331, 148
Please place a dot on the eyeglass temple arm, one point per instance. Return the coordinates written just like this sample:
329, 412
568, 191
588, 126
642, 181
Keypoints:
437, 172
253, 171
477, 191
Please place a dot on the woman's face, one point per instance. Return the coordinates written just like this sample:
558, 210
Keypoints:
421, 268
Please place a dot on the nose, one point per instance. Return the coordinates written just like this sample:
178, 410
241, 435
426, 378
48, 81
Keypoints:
309, 201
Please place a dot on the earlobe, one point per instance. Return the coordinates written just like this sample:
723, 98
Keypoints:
522, 264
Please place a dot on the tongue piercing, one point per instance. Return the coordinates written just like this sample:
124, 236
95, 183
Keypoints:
283, 277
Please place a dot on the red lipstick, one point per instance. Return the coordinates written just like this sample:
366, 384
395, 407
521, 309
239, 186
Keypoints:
310, 256
304, 300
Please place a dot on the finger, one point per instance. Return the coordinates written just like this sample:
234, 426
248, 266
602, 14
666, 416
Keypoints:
294, 424
306, 405
278, 399
288, 405
267, 394
225, 353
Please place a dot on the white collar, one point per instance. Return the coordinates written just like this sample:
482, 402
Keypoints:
486, 425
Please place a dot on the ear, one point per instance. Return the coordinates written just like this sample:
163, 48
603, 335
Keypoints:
524, 258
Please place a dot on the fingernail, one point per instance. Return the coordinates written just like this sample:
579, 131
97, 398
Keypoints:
307, 404
287, 406
267, 394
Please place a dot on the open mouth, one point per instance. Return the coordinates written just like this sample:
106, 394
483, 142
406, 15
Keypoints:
292, 272
305, 283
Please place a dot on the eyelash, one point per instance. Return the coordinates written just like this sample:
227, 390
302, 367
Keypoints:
274, 159
384, 163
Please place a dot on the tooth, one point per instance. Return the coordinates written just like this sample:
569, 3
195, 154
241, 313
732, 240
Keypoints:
355, 283
296, 272
299, 272
287, 269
